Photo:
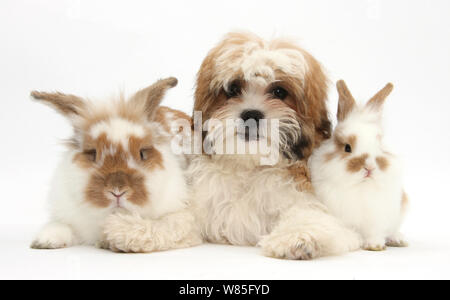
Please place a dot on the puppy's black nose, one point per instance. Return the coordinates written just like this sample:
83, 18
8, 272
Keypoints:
252, 114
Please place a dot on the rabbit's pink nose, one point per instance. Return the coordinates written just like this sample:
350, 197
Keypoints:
369, 171
118, 195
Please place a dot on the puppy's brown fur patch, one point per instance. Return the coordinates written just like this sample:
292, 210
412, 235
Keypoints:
301, 175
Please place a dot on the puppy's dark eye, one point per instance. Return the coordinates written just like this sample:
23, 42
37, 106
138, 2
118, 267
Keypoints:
279, 93
91, 154
348, 148
234, 90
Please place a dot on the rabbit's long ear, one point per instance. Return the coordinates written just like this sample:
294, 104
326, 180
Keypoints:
69, 106
377, 101
152, 96
346, 101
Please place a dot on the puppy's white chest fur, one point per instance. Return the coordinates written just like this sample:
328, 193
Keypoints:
238, 204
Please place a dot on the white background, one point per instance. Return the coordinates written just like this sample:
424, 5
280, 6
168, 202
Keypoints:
95, 48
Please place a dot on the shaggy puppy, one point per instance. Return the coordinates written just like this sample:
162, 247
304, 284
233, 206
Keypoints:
263, 197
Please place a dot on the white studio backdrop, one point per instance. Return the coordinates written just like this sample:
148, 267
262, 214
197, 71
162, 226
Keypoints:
97, 48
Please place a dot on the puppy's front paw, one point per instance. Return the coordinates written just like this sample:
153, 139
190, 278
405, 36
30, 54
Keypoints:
122, 233
54, 236
105, 245
294, 246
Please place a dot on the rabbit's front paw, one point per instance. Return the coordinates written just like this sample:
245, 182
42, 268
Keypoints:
295, 246
396, 240
54, 236
375, 244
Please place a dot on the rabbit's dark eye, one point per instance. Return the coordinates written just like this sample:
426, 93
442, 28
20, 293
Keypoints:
279, 93
234, 90
348, 148
91, 154
145, 154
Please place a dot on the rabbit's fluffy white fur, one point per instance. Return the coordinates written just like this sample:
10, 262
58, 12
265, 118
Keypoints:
356, 178
133, 172
75, 221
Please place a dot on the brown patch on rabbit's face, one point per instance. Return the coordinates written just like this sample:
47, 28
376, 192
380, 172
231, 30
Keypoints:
356, 164
340, 143
382, 163
143, 151
116, 177
112, 175
118, 163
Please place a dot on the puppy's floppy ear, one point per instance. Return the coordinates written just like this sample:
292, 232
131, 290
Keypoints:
68, 105
378, 100
204, 95
304, 146
152, 96
346, 101
315, 94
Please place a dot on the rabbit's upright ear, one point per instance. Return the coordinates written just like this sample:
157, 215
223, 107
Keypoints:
378, 100
152, 96
68, 105
346, 101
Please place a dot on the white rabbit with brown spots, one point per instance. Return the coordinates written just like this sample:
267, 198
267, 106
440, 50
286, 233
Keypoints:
119, 165
357, 178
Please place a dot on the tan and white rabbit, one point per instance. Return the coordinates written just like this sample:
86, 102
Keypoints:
357, 178
118, 164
